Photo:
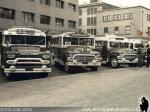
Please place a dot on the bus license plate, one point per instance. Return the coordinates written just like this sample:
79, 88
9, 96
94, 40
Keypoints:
29, 69
84, 62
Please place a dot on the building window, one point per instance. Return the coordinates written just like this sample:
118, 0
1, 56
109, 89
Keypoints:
119, 17
88, 11
95, 10
114, 17
128, 29
95, 21
59, 22
72, 7
91, 31
106, 18
46, 2
91, 11
60, 4
80, 12
126, 16
71, 24
148, 17
95, 32
7, 13
148, 32
45, 19
106, 30
116, 30
88, 21
91, 21
28, 17
80, 22
130, 15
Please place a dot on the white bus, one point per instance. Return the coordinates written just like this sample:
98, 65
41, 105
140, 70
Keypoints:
117, 51
73, 50
24, 50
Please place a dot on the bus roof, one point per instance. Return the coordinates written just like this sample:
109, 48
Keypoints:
24, 31
74, 35
111, 38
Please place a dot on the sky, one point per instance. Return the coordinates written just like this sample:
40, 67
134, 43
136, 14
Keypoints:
123, 3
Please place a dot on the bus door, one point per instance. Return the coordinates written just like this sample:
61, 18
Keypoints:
104, 51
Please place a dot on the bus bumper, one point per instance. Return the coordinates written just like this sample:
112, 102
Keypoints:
83, 64
124, 61
12, 69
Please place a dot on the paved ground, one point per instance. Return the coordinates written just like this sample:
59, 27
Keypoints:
106, 88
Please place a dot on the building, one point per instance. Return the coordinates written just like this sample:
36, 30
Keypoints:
88, 15
51, 16
129, 22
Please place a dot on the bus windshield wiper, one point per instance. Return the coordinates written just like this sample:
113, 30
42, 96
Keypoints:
40, 42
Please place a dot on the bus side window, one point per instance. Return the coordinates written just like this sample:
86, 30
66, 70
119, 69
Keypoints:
105, 43
98, 44
131, 46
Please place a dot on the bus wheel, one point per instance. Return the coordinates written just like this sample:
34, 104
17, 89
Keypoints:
67, 68
114, 62
94, 68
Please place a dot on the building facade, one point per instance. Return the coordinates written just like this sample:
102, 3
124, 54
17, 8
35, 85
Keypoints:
129, 22
88, 19
50, 16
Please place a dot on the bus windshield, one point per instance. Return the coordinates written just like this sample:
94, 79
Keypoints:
78, 41
25, 40
119, 45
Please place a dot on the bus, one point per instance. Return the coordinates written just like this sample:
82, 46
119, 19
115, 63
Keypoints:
116, 51
135, 43
24, 50
73, 49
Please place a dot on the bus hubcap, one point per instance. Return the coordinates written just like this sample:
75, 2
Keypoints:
67, 68
114, 63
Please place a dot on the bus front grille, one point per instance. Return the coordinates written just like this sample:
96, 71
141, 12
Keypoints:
82, 58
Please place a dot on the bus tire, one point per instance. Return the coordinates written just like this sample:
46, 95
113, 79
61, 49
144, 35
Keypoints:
114, 62
67, 68
94, 68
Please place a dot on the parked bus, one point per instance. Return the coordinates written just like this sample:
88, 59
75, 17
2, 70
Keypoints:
73, 50
142, 43
24, 50
116, 51
135, 43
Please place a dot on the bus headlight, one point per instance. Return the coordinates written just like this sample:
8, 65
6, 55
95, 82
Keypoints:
97, 56
75, 62
46, 56
12, 68
120, 54
11, 55
46, 62
70, 55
